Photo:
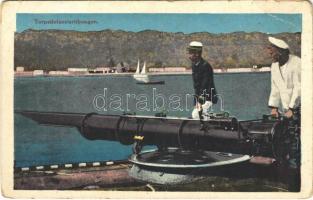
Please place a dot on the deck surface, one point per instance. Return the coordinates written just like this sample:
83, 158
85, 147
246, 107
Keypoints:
241, 178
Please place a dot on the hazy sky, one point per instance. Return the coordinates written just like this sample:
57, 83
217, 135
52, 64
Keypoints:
186, 23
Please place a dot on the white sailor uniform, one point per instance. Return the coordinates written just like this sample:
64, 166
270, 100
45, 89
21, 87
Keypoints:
286, 84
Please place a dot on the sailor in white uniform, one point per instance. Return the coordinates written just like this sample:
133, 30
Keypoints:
285, 79
285, 94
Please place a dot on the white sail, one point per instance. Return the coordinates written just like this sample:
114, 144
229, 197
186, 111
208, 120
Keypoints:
141, 76
143, 71
138, 67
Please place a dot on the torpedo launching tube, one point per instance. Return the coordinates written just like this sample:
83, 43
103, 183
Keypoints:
184, 146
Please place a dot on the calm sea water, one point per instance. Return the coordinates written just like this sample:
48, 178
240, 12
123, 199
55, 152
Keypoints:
244, 95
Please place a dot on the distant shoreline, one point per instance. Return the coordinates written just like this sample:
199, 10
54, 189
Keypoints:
35, 73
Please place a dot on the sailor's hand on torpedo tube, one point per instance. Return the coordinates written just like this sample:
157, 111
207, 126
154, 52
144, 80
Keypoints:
274, 112
289, 113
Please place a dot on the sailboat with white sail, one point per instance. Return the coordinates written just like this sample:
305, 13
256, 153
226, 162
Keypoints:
141, 75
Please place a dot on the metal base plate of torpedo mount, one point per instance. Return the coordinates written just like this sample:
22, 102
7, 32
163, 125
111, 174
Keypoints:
176, 166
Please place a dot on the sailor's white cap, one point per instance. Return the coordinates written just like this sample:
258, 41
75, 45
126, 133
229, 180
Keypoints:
195, 46
279, 43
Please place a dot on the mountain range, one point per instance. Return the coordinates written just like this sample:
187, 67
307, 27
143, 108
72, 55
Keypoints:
61, 49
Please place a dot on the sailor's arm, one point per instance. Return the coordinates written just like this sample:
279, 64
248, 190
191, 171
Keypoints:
296, 91
201, 86
274, 98
207, 83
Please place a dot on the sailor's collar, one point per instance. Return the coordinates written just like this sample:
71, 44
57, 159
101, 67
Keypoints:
285, 62
198, 63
